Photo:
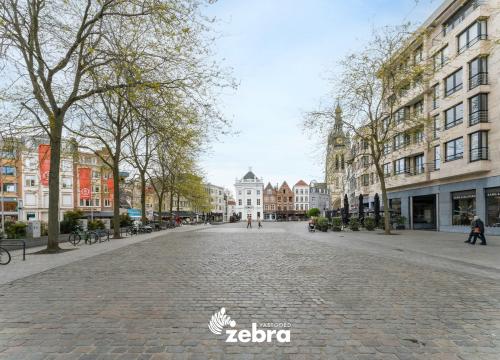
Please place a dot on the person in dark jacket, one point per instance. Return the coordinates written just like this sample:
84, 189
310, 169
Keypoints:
477, 231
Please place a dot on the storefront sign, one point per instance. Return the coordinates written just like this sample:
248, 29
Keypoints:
493, 192
44, 162
464, 195
85, 184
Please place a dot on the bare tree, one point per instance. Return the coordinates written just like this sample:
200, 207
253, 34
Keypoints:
371, 85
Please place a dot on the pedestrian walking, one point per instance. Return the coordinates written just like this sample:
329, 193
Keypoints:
249, 221
477, 230
258, 221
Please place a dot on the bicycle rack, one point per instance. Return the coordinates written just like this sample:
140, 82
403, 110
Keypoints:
13, 242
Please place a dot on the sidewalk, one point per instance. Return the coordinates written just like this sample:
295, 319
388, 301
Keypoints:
18, 269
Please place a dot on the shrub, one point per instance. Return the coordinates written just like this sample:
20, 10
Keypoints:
15, 230
322, 224
354, 224
70, 220
369, 224
96, 224
337, 224
313, 212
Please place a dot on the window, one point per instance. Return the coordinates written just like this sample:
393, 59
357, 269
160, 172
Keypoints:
492, 207
249, 202
258, 192
66, 200
30, 180
96, 174
401, 140
437, 157
419, 136
387, 148
399, 166
8, 187
440, 58
418, 55
387, 169
365, 161
240, 202
249, 192
435, 96
463, 207
8, 170
66, 182
478, 72
258, 202
365, 179
436, 126
459, 16
395, 206
400, 115
66, 165
85, 202
478, 109
419, 164
470, 36
454, 116
454, 149
96, 188
478, 146
454, 82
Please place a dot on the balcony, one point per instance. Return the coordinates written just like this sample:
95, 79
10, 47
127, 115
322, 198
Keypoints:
478, 154
472, 42
453, 157
478, 79
480, 116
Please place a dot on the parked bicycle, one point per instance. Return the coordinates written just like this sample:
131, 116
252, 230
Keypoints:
4, 256
90, 237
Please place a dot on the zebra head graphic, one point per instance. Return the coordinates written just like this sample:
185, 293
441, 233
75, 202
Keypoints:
220, 320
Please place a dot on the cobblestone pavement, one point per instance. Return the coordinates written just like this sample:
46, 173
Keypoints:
153, 300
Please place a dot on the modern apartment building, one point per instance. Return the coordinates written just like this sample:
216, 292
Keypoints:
440, 175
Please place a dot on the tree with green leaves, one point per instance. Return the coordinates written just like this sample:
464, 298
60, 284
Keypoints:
54, 51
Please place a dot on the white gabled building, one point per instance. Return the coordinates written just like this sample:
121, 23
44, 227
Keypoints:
249, 196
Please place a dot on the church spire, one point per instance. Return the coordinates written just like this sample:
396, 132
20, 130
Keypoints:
338, 118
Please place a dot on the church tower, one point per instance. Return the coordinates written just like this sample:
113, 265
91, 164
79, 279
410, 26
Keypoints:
336, 156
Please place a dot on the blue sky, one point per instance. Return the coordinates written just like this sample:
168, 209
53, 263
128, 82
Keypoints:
282, 53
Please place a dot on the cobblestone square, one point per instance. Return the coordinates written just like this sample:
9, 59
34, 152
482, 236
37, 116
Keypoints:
346, 296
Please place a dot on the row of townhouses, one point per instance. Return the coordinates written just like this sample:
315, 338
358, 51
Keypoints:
86, 184
278, 203
444, 173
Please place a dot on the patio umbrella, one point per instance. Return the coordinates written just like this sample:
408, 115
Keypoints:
376, 209
361, 209
346, 209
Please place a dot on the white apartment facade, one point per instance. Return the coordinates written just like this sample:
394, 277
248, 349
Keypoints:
301, 196
249, 196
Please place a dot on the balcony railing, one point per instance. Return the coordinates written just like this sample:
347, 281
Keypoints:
480, 116
453, 90
478, 79
472, 42
479, 154
453, 123
453, 157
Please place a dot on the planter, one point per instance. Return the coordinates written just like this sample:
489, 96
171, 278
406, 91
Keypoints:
400, 227
336, 229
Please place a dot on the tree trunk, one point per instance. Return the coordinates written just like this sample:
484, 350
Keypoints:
160, 208
116, 200
142, 175
385, 200
55, 161
178, 202
171, 202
